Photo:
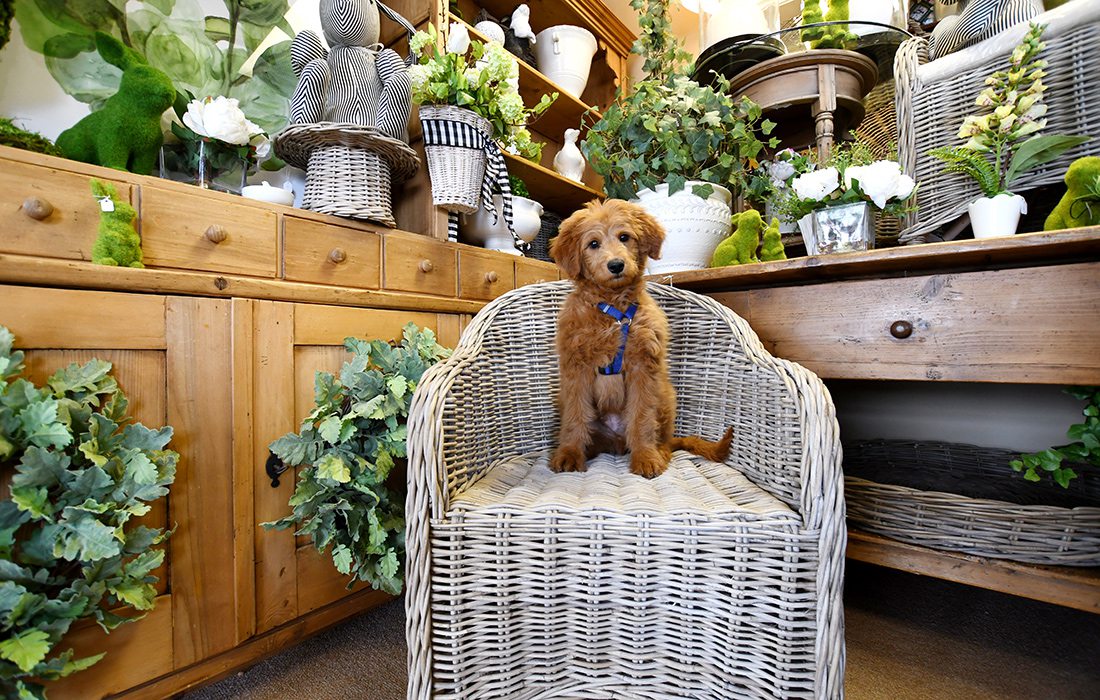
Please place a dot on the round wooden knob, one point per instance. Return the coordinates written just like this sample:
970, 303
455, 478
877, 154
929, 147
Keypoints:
491, 277
901, 329
337, 256
36, 208
216, 233
426, 266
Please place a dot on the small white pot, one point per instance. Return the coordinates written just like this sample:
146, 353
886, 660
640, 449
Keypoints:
996, 216
693, 226
564, 54
478, 228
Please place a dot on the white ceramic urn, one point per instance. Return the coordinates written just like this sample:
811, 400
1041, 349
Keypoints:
996, 216
693, 226
564, 54
478, 228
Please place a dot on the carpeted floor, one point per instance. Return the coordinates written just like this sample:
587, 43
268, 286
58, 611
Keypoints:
909, 638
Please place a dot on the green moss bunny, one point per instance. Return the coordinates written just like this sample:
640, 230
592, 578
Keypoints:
117, 243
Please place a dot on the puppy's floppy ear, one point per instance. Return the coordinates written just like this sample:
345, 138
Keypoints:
651, 234
565, 248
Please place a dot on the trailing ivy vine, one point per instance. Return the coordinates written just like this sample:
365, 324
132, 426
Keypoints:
70, 547
1084, 448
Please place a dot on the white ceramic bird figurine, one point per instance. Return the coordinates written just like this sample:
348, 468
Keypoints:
521, 23
569, 162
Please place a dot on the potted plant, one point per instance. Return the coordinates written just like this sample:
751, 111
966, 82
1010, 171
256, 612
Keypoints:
996, 152
675, 146
832, 204
469, 101
770, 183
218, 146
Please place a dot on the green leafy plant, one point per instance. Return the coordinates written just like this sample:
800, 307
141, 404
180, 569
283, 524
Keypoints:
17, 137
772, 177
480, 77
1014, 98
1084, 448
69, 544
201, 50
835, 36
670, 129
519, 187
348, 445
7, 12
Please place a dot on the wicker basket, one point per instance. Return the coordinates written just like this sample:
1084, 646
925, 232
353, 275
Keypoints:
540, 247
456, 171
879, 129
933, 98
968, 499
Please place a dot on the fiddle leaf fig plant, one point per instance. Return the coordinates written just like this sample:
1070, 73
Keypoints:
1084, 448
347, 447
70, 545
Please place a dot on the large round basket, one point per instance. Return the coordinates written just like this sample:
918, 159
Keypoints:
456, 170
350, 168
968, 499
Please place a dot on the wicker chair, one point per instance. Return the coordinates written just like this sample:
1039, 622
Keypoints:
712, 581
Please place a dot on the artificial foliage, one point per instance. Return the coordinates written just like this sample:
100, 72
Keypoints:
16, 137
1085, 447
7, 12
117, 241
739, 248
70, 547
347, 448
1003, 143
669, 128
1080, 205
831, 36
771, 243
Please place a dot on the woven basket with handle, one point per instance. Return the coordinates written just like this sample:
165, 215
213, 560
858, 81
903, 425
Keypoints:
456, 171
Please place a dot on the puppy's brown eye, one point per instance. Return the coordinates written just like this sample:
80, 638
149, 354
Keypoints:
624, 237
594, 244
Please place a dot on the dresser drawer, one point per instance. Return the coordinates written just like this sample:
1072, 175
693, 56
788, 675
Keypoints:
209, 233
50, 213
484, 274
328, 254
423, 265
1030, 325
534, 271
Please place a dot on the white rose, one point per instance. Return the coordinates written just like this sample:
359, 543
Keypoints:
458, 38
881, 181
220, 118
817, 185
263, 146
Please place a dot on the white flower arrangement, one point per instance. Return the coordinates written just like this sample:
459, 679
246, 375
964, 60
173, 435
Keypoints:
221, 118
881, 183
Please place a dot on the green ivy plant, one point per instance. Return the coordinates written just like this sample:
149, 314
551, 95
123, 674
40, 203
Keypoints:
1084, 448
348, 445
670, 129
70, 548
201, 51
996, 153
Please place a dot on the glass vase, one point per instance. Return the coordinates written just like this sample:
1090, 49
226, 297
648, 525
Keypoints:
841, 229
204, 165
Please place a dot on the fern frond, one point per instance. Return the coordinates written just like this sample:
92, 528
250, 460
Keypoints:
972, 163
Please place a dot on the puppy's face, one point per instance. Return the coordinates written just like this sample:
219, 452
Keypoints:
607, 243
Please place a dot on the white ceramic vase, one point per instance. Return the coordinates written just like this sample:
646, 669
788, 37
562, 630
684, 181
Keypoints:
478, 228
693, 226
996, 216
564, 54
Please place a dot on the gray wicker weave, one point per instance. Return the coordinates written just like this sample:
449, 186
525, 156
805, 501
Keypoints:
1009, 522
930, 111
712, 581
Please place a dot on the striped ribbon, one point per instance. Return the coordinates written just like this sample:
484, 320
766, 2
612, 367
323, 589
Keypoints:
448, 132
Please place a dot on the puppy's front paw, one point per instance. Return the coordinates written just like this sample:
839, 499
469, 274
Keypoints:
568, 459
649, 462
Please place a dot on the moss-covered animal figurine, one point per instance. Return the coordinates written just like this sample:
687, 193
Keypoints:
117, 242
740, 247
1080, 205
125, 132
771, 245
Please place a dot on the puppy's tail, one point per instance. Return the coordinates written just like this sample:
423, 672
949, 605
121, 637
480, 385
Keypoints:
707, 449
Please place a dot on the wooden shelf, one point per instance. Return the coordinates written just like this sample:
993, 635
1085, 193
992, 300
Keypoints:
556, 193
1071, 587
566, 111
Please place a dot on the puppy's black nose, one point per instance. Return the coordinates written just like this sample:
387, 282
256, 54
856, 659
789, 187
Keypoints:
616, 266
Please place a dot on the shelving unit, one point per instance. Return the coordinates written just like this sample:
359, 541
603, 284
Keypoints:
556, 193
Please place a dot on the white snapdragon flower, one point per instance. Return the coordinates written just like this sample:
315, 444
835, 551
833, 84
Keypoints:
882, 181
818, 185
458, 38
220, 118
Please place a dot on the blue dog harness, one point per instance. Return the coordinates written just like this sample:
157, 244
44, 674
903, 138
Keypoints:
624, 318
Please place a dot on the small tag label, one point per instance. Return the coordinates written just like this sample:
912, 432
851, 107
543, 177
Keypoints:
106, 204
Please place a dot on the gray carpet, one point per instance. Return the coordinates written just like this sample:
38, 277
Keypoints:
909, 638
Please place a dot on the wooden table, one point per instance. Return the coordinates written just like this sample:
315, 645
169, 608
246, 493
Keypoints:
1024, 309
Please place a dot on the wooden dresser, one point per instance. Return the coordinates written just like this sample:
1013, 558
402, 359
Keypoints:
220, 337
1024, 309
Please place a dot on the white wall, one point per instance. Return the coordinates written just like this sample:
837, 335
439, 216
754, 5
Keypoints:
29, 94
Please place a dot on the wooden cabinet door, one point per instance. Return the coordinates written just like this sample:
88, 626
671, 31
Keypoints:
292, 343
171, 358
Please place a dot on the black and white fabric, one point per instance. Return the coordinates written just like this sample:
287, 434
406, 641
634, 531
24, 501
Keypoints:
979, 20
452, 226
447, 132
396, 17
